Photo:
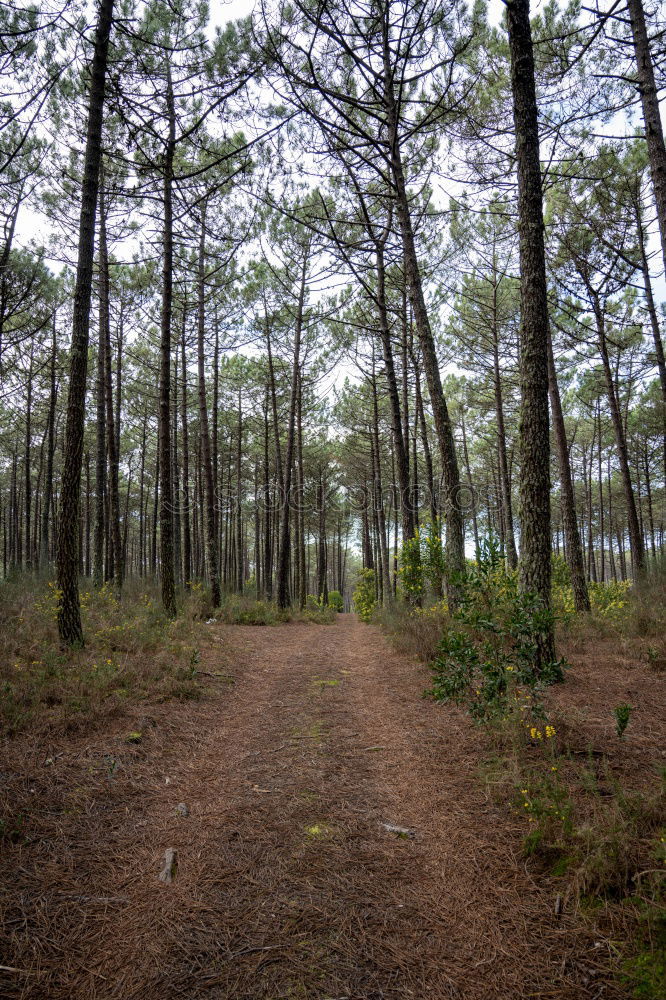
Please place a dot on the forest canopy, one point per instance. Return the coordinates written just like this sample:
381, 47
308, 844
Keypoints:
292, 296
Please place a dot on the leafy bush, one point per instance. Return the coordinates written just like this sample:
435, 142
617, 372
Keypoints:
487, 659
410, 573
422, 564
238, 609
364, 597
319, 614
432, 554
336, 601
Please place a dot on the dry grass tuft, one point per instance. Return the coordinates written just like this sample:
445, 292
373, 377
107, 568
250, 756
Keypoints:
413, 631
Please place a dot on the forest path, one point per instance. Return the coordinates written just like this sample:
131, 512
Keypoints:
288, 884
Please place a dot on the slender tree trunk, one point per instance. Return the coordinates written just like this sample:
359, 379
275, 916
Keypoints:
602, 562
69, 611
535, 564
455, 542
574, 552
209, 481
635, 537
240, 575
167, 574
100, 465
303, 591
505, 482
50, 450
399, 441
654, 133
185, 512
387, 593
470, 485
455, 535
283, 597
27, 460
654, 318
427, 454
111, 437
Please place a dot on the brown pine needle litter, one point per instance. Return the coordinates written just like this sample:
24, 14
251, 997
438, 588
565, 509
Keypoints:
301, 893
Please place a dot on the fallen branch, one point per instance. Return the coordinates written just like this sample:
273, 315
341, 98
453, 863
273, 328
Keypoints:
168, 873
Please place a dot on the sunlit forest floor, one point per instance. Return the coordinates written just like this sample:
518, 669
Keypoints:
337, 834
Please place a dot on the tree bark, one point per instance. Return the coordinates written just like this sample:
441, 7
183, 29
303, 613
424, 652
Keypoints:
185, 511
209, 481
535, 564
111, 436
69, 610
635, 536
574, 552
167, 574
283, 598
401, 455
654, 133
50, 449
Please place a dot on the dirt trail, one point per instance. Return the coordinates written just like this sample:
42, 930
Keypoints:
288, 885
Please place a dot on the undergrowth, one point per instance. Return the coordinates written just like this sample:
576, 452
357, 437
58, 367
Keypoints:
240, 609
132, 652
605, 841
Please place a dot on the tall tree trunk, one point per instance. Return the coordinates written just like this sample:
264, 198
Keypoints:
635, 537
283, 597
470, 485
69, 610
399, 441
268, 512
240, 575
455, 534
455, 542
303, 591
602, 562
322, 576
185, 510
654, 133
27, 460
209, 481
167, 574
111, 437
574, 552
100, 464
535, 564
427, 454
142, 470
378, 502
654, 318
505, 482
50, 449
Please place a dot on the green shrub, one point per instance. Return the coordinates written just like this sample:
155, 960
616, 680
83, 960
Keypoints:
364, 597
622, 715
238, 609
336, 601
317, 615
411, 570
487, 658
434, 563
